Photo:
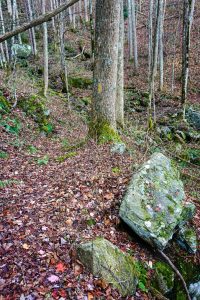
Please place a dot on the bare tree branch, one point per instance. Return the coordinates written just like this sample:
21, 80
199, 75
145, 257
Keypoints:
38, 21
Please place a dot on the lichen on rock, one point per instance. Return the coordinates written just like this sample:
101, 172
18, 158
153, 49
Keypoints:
105, 260
154, 201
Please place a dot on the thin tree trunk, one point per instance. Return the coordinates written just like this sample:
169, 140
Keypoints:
154, 65
161, 58
86, 10
64, 73
150, 27
120, 72
188, 11
17, 22
3, 32
32, 30
91, 28
9, 6
174, 53
105, 67
134, 36
45, 45
130, 30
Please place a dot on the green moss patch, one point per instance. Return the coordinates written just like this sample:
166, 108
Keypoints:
34, 106
80, 82
103, 132
4, 105
66, 156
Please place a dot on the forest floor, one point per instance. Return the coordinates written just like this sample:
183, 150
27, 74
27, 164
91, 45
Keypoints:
54, 194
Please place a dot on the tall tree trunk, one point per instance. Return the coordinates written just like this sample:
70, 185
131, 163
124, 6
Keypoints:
154, 65
161, 57
105, 67
3, 32
130, 30
91, 28
45, 51
135, 51
32, 30
120, 72
150, 34
86, 10
64, 74
188, 11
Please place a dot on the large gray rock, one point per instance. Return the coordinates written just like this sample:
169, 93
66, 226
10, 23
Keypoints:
105, 260
193, 118
153, 205
21, 51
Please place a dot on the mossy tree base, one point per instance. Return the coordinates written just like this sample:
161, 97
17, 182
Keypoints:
103, 132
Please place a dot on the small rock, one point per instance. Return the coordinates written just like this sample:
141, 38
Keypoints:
194, 290
118, 148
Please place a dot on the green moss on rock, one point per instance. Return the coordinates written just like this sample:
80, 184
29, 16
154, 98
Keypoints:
163, 279
105, 260
34, 106
80, 82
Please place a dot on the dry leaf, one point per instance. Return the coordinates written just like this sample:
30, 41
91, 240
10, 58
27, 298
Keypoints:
53, 278
25, 246
60, 267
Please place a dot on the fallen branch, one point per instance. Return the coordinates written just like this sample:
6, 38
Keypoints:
74, 57
176, 271
38, 21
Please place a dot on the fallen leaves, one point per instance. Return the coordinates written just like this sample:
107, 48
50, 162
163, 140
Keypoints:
60, 267
25, 246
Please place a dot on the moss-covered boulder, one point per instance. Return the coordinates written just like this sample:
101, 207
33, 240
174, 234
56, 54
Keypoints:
163, 279
187, 239
35, 107
193, 117
154, 201
105, 260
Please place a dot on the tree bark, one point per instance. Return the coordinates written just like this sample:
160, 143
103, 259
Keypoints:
3, 31
105, 67
32, 30
120, 72
45, 45
161, 57
188, 11
154, 64
135, 51
130, 30
150, 27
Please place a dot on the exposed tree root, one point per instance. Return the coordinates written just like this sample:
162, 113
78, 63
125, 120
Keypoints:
176, 271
